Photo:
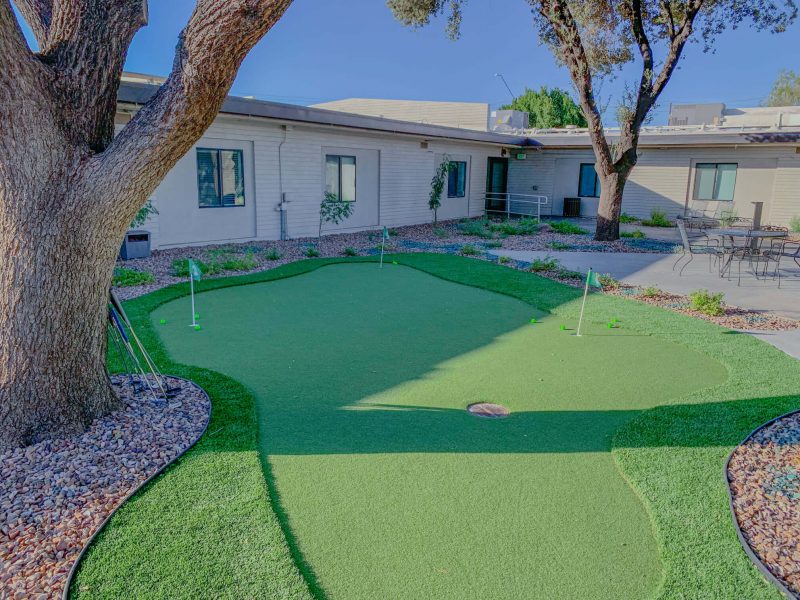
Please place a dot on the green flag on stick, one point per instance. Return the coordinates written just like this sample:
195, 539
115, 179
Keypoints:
593, 280
194, 275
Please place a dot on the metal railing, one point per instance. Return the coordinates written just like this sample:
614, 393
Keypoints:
518, 205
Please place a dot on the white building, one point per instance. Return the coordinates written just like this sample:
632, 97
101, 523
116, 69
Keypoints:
262, 168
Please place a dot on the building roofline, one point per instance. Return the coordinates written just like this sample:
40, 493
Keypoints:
140, 93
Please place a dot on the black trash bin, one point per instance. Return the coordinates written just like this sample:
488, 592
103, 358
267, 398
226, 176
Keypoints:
136, 245
572, 207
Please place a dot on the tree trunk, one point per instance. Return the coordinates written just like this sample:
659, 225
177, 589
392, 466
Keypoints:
56, 266
611, 188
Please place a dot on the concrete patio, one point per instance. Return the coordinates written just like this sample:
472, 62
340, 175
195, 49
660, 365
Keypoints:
656, 270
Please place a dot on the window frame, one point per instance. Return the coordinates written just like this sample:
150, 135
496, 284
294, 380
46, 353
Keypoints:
218, 152
339, 158
596, 180
455, 194
716, 165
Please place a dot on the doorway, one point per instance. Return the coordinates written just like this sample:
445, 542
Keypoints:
496, 184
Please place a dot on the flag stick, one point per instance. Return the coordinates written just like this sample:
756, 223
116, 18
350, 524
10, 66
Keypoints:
191, 287
384, 234
583, 304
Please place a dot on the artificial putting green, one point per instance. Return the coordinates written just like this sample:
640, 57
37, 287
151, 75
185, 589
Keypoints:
387, 487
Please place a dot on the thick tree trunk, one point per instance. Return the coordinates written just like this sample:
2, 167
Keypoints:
611, 188
55, 272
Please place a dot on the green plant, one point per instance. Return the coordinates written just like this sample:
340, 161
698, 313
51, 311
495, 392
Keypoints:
548, 107
143, 214
548, 263
350, 251
180, 267
504, 260
311, 252
494, 244
469, 250
651, 292
245, 262
441, 233
437, 186
707, 303
524, 226
273, 254
607, 281
560, 246
658, 218
794, 224
567, 228
478, 228
125, 277
333, 210
568, 274
638, 234
623, 218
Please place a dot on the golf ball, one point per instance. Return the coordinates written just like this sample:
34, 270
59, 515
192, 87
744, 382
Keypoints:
197, 327
163, 321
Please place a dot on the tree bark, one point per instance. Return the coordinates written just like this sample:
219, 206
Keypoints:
610, 206
68, 192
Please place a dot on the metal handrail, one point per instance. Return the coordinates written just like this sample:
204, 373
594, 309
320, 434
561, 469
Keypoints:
517, 204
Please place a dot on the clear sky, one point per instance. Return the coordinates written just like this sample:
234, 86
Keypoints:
326, 50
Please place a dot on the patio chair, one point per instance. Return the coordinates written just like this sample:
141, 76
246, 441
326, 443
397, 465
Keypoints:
699, 243
739, 251
781, 249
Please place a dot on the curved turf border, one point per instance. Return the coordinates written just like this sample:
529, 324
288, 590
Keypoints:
552, 297
739, 533
164, 467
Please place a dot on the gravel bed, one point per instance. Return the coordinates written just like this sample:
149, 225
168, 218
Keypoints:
55, 494
764, 479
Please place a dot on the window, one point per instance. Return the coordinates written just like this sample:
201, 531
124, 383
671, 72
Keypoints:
220, 177
457, 179
340, 177
588, 182
714, 181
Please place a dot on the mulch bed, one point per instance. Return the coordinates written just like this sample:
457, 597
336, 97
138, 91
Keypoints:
764, 479
55, 494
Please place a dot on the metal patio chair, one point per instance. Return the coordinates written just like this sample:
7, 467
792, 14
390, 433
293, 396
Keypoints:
699, 243
781, 249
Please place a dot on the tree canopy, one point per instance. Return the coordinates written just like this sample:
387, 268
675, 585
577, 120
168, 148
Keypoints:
548, 107
785, 90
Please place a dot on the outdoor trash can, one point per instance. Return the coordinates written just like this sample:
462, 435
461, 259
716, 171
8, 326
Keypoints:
572, 207
135, 245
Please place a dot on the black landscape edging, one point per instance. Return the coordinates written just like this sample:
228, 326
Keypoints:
742, 540
68, 583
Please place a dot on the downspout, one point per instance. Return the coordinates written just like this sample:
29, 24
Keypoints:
282, 204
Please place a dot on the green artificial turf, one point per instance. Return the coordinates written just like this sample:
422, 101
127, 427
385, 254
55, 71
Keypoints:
383, 484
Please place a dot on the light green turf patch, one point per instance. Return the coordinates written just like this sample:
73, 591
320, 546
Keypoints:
207, 527
388, 487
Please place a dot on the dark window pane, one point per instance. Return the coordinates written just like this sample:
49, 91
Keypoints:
232, 176
207, 178
588, 184
457, 179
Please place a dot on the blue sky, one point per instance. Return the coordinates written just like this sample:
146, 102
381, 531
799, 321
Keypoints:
353, 48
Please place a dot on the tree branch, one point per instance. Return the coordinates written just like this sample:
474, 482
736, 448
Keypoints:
38, 15
676, 47
210, 50
574, 55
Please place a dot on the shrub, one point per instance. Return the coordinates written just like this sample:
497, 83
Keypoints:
180, 267
441, 233
567, 228
707, 303
651, 292
504, 260
245, 262
273, 254
524, 226
125, 277
350, 251
311, 252
623, 218
560, 246
607, 281
567, 274
637, 234
477, 228
494, 244
143, 214
658, 218
794, 224
469, 250
548, 263
333, 210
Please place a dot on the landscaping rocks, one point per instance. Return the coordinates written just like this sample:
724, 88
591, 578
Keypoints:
55, 494
764, 479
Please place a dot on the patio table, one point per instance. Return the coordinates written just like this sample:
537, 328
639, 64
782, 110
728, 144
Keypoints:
756, 235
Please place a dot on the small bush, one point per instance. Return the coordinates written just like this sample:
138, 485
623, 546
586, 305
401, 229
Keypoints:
607, 281
524, 226
494, 244
567, 228
504, 260
548, 263
125, 277
560, 246
350, 251
637, 234
794, 224
441, 233
623, 218
180, 267
469, 250
651, 292
273, 254
658, 218
245, 262
567, 274
476, 228
707, 303
311, 252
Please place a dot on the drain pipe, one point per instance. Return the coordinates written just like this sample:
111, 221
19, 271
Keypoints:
282, 205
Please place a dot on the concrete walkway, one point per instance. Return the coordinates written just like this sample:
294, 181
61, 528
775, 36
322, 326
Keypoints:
656, 270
